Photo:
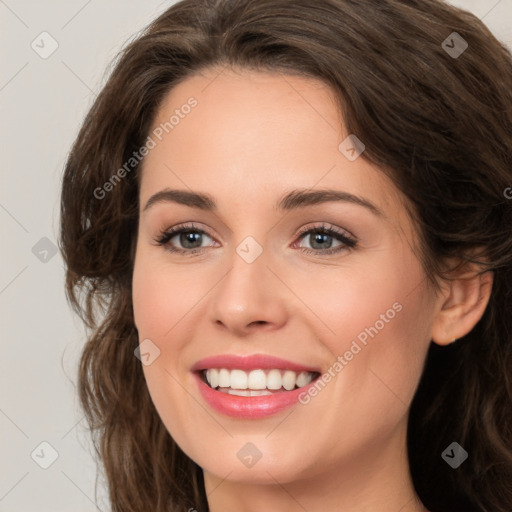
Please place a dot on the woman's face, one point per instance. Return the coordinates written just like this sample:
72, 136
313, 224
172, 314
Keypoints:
257, 277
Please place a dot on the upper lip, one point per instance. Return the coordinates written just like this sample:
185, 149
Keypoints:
250, 362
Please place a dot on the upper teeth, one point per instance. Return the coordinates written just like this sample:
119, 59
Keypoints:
257, 379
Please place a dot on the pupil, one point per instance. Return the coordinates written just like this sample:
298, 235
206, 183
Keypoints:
319, 237
190, 237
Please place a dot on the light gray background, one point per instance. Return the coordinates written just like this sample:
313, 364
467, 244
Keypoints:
42, 103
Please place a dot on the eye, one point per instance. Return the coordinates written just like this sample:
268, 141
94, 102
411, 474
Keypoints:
189, 237
321, 240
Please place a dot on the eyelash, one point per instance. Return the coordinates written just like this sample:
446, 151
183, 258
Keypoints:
348, 242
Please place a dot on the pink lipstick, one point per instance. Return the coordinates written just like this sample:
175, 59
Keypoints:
252, 386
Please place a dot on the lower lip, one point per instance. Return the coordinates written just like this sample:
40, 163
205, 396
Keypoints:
251, 407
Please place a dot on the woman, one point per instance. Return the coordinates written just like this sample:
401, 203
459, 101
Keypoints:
233, 362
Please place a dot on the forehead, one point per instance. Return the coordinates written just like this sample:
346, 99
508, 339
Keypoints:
253, 135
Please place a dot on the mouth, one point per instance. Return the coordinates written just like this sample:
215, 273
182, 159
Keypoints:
252, 386
259, 382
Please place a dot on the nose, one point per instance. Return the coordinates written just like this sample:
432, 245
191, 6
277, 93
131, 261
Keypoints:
249, 298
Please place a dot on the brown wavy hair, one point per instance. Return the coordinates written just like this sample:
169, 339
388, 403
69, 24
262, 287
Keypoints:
439, 126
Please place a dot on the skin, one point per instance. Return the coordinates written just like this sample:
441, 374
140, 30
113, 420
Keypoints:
253, 137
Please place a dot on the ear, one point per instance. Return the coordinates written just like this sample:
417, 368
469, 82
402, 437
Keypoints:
461, 304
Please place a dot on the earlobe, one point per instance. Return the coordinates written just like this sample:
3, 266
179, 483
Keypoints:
461, 305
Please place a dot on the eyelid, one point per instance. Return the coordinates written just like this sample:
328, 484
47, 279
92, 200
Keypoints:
190, 226
326, 227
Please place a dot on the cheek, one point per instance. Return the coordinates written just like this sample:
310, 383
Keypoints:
350, 300
162, 295
378, 317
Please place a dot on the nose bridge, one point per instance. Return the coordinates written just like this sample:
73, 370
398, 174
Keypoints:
248, 293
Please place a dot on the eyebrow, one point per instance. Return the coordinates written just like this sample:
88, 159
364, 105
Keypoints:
295, 199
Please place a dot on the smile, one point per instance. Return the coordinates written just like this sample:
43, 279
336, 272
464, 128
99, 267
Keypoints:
251, 387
